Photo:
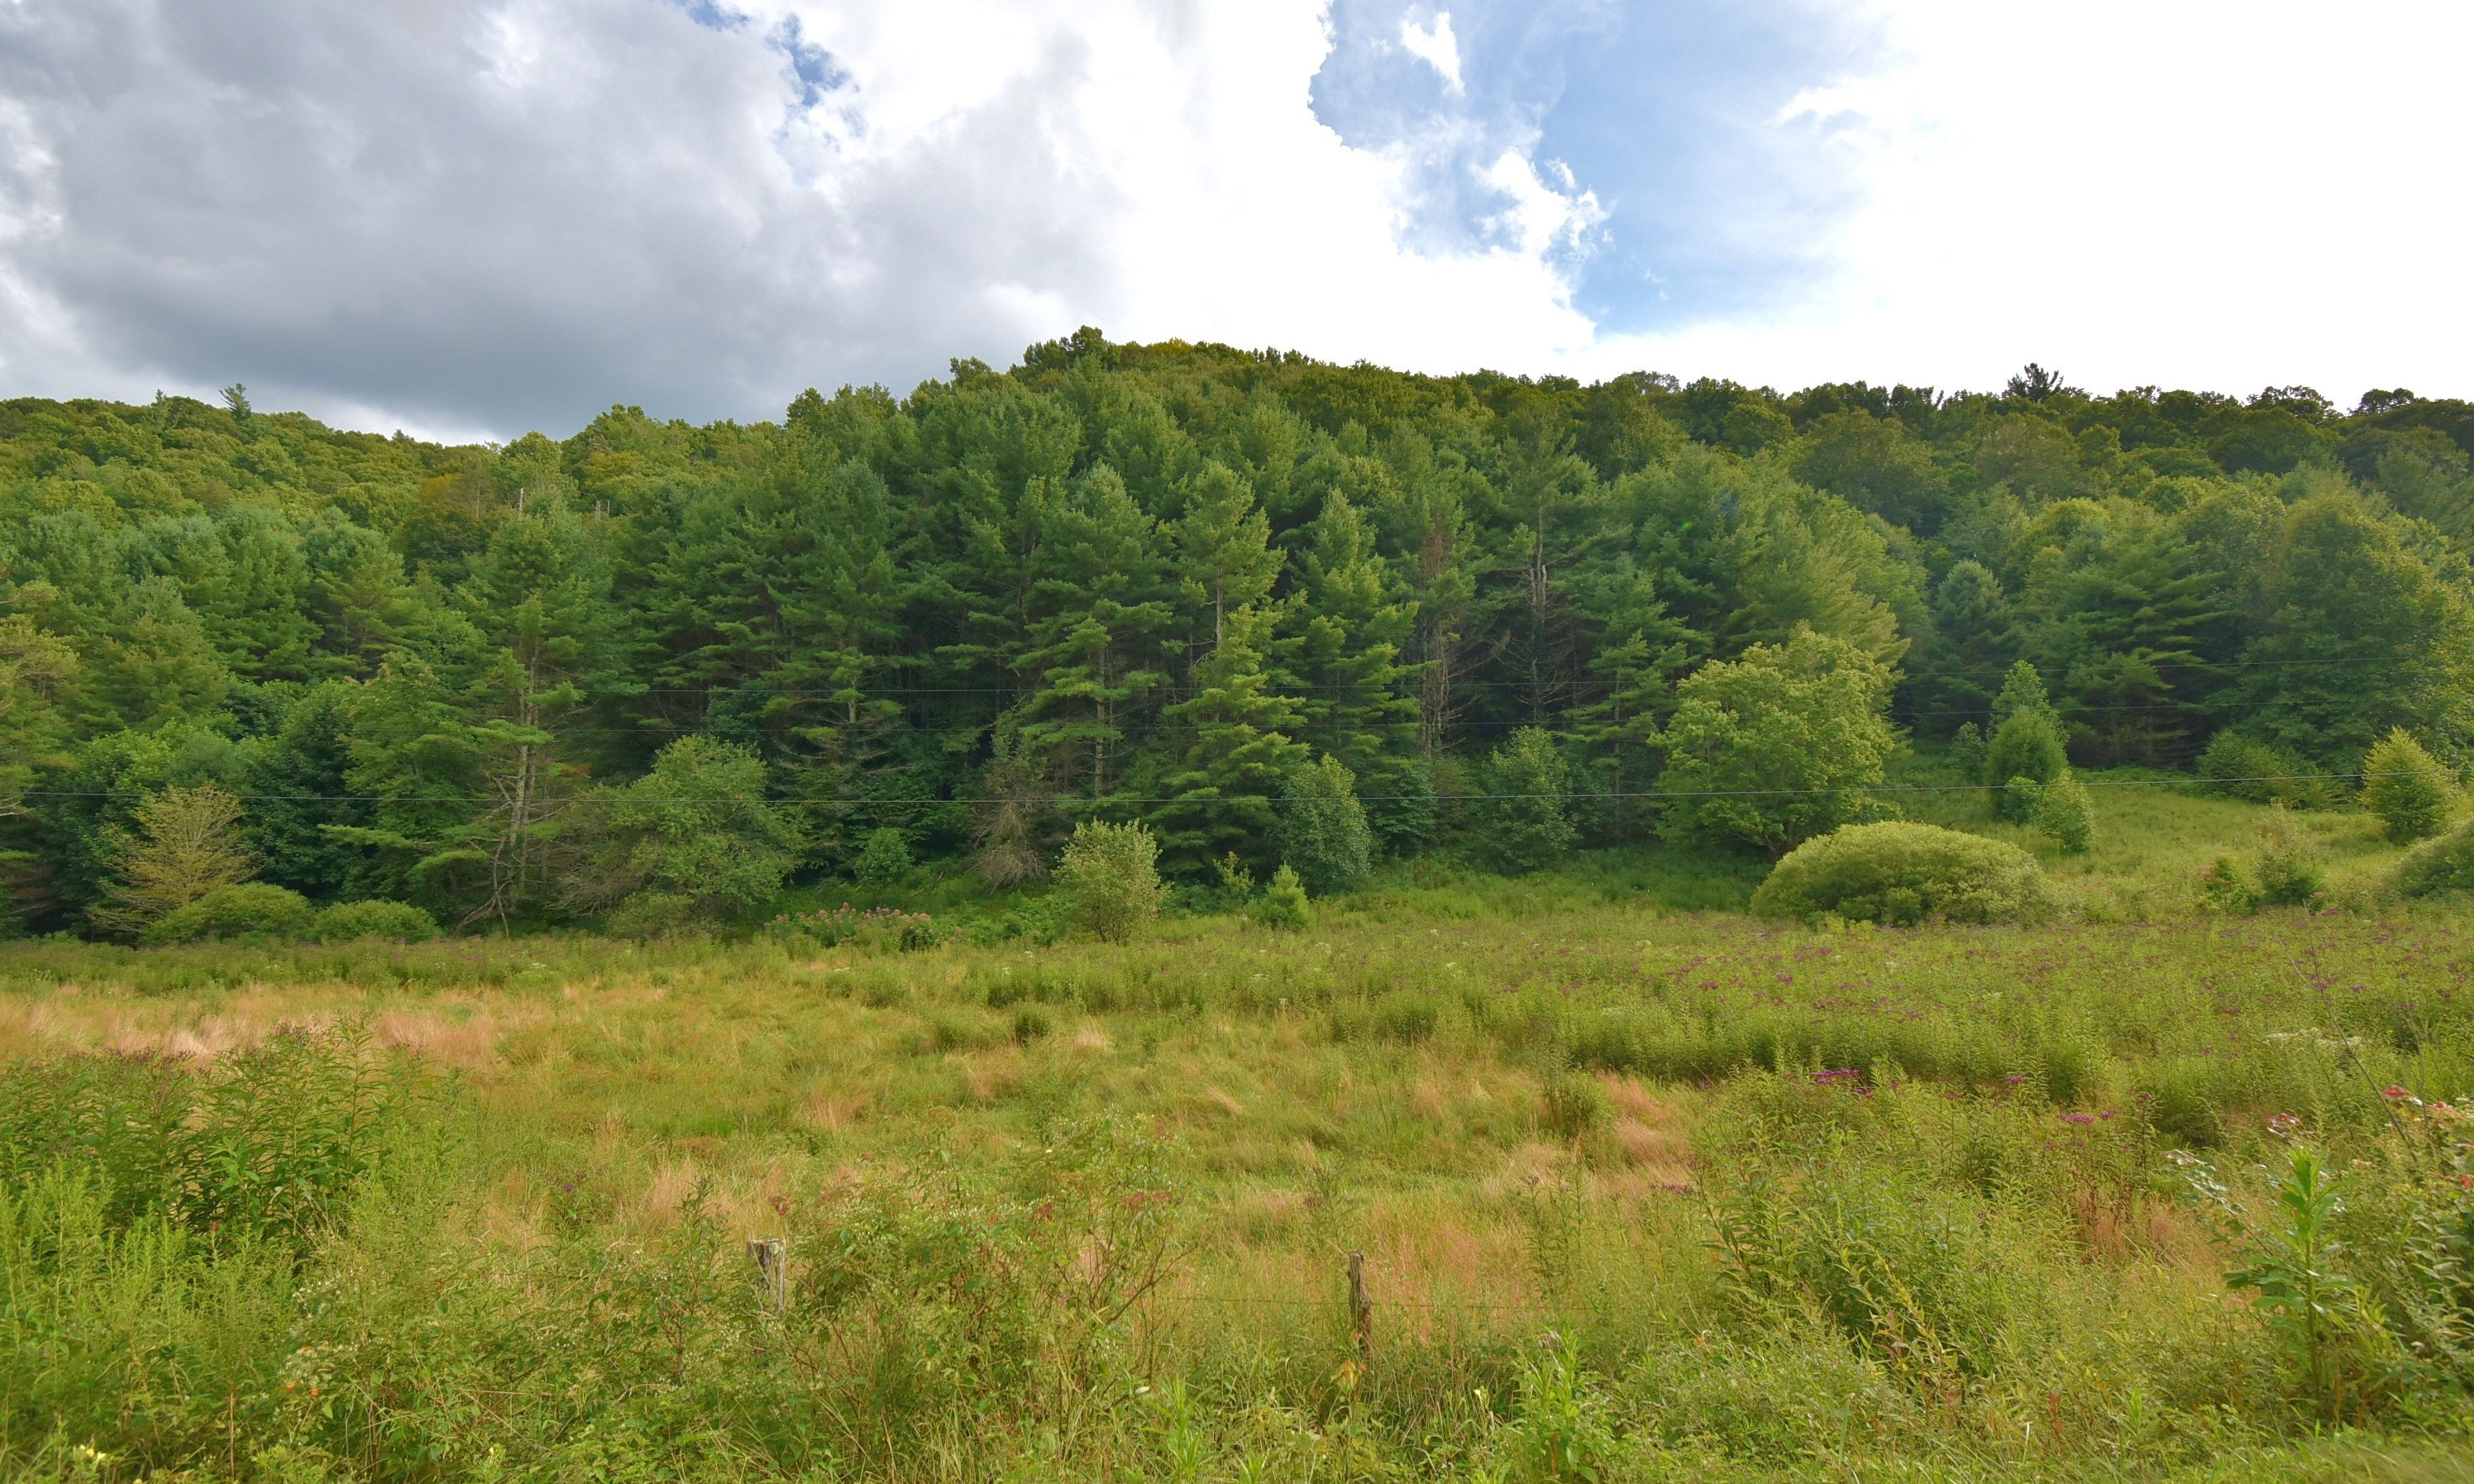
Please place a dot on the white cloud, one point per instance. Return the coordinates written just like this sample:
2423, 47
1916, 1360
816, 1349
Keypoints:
500, 214
507, 213
2214, 193
1436, 46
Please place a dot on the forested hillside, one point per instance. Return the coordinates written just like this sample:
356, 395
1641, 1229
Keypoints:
1186, 584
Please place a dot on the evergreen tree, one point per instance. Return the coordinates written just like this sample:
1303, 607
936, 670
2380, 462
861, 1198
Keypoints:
1972, 642
2406, 788
186, 844
1356, 697
1237, 756
1099, 611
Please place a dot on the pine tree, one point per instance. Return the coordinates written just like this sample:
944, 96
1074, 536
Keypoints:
1236, 758
1225, 558
1356, 698
1099, 611
539, 599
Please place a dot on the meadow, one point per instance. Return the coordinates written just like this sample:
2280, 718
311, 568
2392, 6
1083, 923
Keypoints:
1644, 1189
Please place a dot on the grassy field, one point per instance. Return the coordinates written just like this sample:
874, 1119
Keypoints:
1644, 1189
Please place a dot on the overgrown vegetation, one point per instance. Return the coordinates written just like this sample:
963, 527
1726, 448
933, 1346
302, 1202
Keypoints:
931, 939
645, 677
1650, 1196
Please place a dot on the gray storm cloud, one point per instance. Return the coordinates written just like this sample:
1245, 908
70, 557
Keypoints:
506, 215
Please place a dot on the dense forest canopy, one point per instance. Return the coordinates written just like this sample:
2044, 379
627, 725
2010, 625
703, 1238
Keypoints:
1175, 583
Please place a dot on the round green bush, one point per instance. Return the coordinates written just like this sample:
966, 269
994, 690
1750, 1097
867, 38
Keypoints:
2406, 787
1904, 873
348, 921
252, 907
2444, 862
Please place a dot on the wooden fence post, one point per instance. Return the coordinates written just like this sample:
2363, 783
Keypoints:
1360, 1308
772, 1259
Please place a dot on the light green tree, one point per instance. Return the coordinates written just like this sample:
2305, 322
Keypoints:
1109, 878
1778, 747
1525, 820
187, 843
2406, 787
1321, 828
693, 838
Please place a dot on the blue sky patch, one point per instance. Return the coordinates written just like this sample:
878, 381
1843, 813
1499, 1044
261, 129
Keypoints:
1666, 109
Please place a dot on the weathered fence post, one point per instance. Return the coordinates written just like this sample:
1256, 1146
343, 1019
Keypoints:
772, 1257
1361, 1309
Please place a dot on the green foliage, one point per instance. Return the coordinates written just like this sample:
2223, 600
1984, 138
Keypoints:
2026, 754
1562, 1427
267, 1142
1967, 750
1157, 580
1573, 1103
2309, 1302
886, 862
2245, 768
1901, 873
2287, 868
401, 921
1523, 820
2406, 788
1284, 902
693, 838
1778, 747
1109, 878
2444, 862
246, 910
2065, 814
1321, 828
188, 847
2229, 885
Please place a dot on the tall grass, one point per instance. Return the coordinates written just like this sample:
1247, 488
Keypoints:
1641, 1194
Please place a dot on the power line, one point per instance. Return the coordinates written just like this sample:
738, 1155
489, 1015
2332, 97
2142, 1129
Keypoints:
1108, 800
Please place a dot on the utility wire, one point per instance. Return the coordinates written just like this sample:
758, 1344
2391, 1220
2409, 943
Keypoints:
1064, 800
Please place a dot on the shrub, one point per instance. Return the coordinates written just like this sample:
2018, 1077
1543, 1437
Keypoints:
2253, 771
885, 861
651, 914
1573, 1103
235, 911
1967, 750
2228, 887
695, 838
1522, 824
2027, 748
2405, 786
1321, 829
1109, 877
2444, 862
878, 928
2065, 815
1283, 903
1902, 873
347, 920
2287, 868
2241, 767
1031, 1023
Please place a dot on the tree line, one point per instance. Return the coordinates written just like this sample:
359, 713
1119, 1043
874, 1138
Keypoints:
1275, 609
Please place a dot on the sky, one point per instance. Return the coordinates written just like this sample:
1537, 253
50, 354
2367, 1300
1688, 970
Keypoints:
471, 218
